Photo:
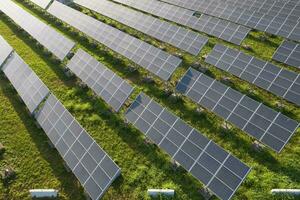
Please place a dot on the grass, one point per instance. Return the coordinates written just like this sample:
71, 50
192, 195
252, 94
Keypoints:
143, 166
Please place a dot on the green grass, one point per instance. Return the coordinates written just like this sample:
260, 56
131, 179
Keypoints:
143, 166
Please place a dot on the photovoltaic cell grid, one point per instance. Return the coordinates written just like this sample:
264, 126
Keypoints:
263, 74
94, 169
104, 82
223, 29
177, 36
149, 57
270, 7
42, 3
283, 23
28, 85
218, 170
266, 125
56, 43
6, 50
289, 53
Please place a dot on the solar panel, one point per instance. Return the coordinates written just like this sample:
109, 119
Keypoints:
149, 57
281, 82
55, 42
218, 170
266, 125
289, 53
179, 37
288, 8
42, 3
104, 82
6, 50
92, 166
223, 29
283, 21
28, 85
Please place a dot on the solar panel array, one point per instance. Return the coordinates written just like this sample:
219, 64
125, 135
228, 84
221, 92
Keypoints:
151, 58
284, 22
42, 3
104, 82
6, 50
28, 85
281, 82
266, 125
55, 42
91, 165
286, 8
223, 29
288, 53
182, 38
221, 172
267, 6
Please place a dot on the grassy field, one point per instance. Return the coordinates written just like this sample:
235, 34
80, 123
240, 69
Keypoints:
143, 166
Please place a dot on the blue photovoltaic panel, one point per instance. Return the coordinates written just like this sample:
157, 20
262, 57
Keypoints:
92, 166
265, 124
5, 51
149, 57
28, 85
104, 82
289, 53
55, 42
279, 81
177, 36
218, 170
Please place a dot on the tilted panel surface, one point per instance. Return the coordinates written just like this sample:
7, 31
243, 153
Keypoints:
91, 165
223, 29
263, 123
289, 53
177, 36
221, 172
149, 57
55, 42
6, 50
28, 85
279, 81
104, 82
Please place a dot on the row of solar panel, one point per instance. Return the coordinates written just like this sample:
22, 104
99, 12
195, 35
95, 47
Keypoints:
223, 29
170, 33
161, 126
182, 38
219, 170
289, 53
270, 7
153, 59
281, 82
278, 23
266, 125
116, 91
55, 42
88, 161
222, 184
